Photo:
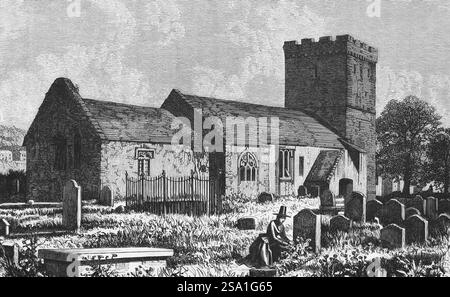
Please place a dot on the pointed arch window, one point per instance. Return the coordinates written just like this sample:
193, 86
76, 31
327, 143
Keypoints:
247, 167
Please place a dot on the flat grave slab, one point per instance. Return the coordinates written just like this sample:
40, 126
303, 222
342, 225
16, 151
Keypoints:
75, 262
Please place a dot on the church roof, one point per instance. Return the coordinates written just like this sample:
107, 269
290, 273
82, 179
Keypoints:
124, 122
324, 166
296, 127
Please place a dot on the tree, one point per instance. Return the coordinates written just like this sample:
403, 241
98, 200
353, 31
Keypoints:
404, 130
439, 158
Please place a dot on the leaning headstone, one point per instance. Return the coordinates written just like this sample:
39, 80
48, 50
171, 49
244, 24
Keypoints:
431, 208
72, 206
302, 191
340, 223
265, 197
393, 236
373, 209
355, 208
416, 229
107, 196
248, 223
10, 251
4, 227
307, 225
444, 206
393, 212
410, 211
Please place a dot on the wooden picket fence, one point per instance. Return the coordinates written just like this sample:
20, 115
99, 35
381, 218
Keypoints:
192, 195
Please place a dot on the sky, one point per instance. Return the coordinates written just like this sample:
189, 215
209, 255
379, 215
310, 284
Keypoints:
136, 52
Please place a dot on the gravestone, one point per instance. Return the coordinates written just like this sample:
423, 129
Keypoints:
393, 212
302, 191
443, 223
308, 225
418, 203
340, 223
248, 223
374, 208
410, 211
107, 196
355, 208
10, 251
72, 206
416, 229
265, 197
393, 236
444, 206
4, 227
327, 198
431, 208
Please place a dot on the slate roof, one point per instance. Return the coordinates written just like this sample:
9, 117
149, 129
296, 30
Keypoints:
296, 127
324, 167
124, 122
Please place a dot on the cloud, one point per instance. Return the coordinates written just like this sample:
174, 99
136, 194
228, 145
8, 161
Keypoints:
259, 34
13, 19
165, 16
397, 84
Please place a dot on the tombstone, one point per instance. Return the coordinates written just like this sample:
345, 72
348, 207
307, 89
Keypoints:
308, 225
443, 223
265, 197
355, 208
418, 203
327, 198
340, 223
410, 211
72, 206
10, 251
4, 227
248, 223
444, 206
302, 191
393, 212
107, 196
393, 236
431, 211
416, 229
373, 211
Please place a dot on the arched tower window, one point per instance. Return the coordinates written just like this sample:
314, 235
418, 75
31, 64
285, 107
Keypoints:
247, 167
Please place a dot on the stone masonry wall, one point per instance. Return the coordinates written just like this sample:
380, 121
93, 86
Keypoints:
61, 115
119, 157
335, 79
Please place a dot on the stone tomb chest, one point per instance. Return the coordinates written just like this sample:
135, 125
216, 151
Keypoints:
75, 262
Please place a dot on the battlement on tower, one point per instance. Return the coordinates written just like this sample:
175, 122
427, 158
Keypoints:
327, 45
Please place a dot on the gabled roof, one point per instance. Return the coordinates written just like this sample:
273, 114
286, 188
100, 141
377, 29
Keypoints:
324, 166
296, 127
124, 122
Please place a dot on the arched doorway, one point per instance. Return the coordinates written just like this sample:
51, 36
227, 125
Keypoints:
345, 188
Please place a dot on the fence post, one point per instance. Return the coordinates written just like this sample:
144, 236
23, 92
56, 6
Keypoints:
142, 190
192, 193
164, 191
126, 188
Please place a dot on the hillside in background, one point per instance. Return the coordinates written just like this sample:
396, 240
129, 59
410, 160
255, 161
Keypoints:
10, 135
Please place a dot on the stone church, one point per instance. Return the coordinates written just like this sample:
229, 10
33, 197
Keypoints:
326, 137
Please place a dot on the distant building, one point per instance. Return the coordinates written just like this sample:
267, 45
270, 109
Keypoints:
12, 158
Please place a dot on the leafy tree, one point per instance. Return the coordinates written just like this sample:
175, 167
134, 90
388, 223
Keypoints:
439, 158
404, 130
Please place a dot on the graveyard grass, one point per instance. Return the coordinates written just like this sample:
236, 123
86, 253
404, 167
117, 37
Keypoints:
213, 246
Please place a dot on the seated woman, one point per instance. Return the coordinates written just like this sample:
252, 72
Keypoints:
278, 240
